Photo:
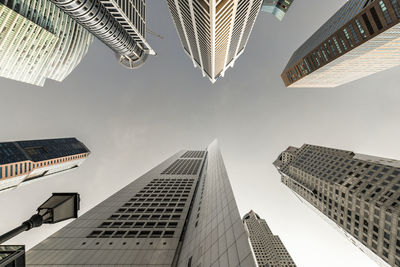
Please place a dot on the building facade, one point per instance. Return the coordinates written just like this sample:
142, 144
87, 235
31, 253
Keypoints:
214, 33
180, 213
360, 39
121, 25
22, 162
39, 41
278, 8
356, 193
12, 256
267, 247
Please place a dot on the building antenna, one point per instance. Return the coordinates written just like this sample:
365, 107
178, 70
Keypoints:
154, 33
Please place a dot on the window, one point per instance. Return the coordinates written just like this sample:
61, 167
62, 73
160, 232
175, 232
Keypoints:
385, 12
396, 7
376, 18
368, 24
360, 28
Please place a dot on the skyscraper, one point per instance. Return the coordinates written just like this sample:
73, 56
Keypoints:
25, 161
180, 213
39, 41
360, 39
356, 193
214, 33
267, 247
278, 8
121, 25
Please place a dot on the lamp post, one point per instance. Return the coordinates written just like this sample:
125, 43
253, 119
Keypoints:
59, 207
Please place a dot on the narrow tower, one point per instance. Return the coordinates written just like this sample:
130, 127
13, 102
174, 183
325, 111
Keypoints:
358, 194
267, 247
360, 39
25, 161
214, 33
180, 213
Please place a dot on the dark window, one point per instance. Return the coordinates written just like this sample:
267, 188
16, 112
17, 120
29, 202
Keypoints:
376, 18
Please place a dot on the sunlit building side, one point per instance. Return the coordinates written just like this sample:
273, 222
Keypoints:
39, 41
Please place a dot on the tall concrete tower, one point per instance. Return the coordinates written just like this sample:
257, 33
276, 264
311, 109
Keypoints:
22, 162
357, 194
360, 39
181, 213
35, 46
267, 247
214, 33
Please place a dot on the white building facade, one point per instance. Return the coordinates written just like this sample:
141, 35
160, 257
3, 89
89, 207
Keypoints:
39, 41
214, 33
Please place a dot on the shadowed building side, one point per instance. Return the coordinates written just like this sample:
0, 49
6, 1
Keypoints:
180, 213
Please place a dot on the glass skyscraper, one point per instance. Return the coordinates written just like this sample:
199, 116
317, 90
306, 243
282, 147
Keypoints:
25, 161
180, 213
360, 39
278, 8
39, 41
358, 194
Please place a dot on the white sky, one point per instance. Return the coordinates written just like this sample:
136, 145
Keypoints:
133, 120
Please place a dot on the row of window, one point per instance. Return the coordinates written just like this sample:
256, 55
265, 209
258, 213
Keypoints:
131, 234
24, 167
343, 40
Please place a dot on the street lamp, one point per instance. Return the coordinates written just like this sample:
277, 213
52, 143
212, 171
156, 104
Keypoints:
59, 207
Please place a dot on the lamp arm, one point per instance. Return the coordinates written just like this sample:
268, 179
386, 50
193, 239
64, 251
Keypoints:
35, 221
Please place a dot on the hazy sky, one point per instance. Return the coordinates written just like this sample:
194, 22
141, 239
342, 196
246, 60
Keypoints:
133, 120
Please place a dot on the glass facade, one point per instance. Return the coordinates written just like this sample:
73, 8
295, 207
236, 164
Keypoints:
39, 41
278, 8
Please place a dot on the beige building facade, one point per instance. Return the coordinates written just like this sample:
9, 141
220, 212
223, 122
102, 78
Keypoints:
358, 194
268, 248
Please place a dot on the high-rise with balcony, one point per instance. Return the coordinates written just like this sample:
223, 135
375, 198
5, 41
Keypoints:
358, 194
267, 247
22, 162
180, 213
214, 33
39, 41
119, 24
360, 39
